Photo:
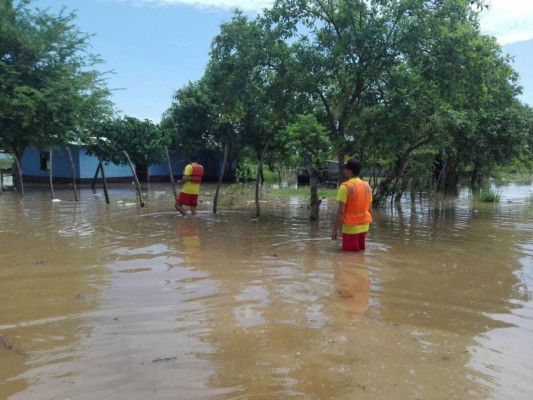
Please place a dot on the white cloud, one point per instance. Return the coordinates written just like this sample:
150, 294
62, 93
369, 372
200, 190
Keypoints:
509, 21
245, 5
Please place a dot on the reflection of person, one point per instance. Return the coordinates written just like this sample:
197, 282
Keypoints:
189, 235
353, 286
192, 176
355, 209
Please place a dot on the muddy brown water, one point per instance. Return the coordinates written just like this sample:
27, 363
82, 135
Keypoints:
121, 302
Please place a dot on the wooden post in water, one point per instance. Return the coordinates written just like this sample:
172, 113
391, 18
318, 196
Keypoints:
20, 175
136, 179
73, 174
50, 175
103, 179
171, 174
1, 181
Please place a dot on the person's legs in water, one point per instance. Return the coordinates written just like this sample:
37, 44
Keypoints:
181, 200
179, 208
185, 199
362, 240
193, 203
350, 242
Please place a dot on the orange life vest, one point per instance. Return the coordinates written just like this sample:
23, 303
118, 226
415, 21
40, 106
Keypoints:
358, 203
197, 172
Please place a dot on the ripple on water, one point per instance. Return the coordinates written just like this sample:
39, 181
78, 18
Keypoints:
232, 305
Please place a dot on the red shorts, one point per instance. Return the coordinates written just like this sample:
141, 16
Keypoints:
187, 199
355, 242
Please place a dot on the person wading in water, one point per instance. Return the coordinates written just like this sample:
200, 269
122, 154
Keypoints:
355, 209
192, 176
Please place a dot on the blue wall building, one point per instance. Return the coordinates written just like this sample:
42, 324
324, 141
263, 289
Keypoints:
35, 166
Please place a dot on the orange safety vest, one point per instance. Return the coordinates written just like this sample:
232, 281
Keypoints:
197, 172
358, 203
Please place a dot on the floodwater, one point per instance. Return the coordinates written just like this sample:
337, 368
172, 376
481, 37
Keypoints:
121, 302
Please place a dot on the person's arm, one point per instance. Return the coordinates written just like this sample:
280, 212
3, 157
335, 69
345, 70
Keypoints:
338, 220
185, 177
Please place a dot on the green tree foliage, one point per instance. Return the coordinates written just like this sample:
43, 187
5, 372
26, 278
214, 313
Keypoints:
341, 50
246, 79
304, 141
144, 141
50, 92
402, 80
191, 120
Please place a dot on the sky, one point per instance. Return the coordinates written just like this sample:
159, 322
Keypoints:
154, 47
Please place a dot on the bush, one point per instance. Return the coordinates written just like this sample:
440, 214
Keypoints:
489, 197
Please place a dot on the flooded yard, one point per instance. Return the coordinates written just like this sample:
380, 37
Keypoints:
121, 302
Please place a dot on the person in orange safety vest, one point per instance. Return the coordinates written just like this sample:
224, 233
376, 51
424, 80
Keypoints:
355, 209
192, 176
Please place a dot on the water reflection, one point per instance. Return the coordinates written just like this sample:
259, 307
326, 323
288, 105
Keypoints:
112, 300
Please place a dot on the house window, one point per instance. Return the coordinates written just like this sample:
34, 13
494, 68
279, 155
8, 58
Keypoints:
45, 161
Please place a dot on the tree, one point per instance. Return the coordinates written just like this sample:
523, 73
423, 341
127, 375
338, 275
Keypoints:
190, 119
50, 92
247, 83
306, 140
475, 87
143, 141
341, 52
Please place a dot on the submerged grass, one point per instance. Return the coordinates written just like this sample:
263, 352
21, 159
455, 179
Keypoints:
489, 197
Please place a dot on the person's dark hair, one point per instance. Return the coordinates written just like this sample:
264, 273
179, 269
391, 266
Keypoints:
193, 158
354, 166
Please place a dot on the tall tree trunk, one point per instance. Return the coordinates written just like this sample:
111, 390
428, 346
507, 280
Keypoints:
73, 174
137, 184
220, 176
313, 186
51, 179
259, 173
171, 174
106, 192
443, 177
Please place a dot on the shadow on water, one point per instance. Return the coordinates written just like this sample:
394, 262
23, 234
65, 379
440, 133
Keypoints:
121, 301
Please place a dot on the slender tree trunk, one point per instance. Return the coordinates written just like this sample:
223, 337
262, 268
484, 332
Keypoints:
313, 186
259, 173
19, 173
171, 174
220, 176
137, 184
73, 174
93, 184
106, 192
51, 179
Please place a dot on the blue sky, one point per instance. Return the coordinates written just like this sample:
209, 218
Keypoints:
155, 47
